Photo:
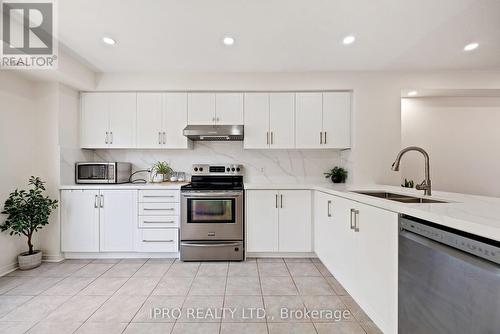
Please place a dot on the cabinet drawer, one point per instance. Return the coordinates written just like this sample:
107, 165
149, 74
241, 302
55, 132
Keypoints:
159, 240
158, 221
158, 209
159, 196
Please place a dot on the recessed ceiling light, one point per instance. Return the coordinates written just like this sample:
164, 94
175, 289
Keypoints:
109, 40
348, 40
471, 46
412, 93
228, 40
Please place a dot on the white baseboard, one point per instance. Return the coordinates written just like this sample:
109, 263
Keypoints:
52, 258
8, 269
281, 254
123, 255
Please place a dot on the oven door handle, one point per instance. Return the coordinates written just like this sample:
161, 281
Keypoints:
207, 195
211, 244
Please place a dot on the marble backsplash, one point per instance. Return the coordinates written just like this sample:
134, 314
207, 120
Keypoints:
261, 166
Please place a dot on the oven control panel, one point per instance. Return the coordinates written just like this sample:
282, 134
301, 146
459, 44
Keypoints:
222, 169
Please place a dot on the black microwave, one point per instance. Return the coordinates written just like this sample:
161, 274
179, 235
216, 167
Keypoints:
102, 172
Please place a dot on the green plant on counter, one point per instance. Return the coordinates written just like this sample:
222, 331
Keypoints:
162, 168
28, 211
337, 174
408, 184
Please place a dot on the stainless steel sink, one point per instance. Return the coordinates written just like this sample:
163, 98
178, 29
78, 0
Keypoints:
398, 197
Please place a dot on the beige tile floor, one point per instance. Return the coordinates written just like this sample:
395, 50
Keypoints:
121, 296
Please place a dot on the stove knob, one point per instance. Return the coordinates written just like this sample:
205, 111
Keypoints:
233, 169
228, 169
196, 169
201, 169
238, 169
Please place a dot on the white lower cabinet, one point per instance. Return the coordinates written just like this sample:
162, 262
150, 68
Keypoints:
118, 220
278, 220
358, 244
98, 220
80, 220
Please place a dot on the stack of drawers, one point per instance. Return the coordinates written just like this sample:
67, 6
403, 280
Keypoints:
159, 212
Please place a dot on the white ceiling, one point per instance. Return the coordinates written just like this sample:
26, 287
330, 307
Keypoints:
281, 35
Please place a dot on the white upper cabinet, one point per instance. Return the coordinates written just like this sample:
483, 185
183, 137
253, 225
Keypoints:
149, 120
323, 120
122, 120
108, 120
175, 119
282, 120
269, 120
309, 115
201, 108
229, 108
337, 120
256, 121
94, 120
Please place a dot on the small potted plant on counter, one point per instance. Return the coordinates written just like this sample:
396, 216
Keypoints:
161, 171
337, 174
28, 211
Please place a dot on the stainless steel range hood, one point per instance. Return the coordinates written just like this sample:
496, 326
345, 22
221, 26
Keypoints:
214, 132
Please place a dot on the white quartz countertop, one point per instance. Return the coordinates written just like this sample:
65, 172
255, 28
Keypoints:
130, 186
477, 215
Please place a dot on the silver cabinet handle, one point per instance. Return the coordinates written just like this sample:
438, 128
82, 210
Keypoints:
159, 137
281, 201
171, 240
217, 119
95, 202
356, 221
272, 138
152, 209
106, 140
158, 196
328, 210
267, 137
211, 245
324, 141
321, 137
276, 201
164, 137
164, 222
102, 201
111, 137
352, 220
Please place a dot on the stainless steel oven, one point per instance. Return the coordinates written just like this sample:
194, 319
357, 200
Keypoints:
212, 214
102, 172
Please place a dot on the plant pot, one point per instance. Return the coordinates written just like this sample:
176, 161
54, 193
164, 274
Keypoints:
27, 261
158, 178
337, 179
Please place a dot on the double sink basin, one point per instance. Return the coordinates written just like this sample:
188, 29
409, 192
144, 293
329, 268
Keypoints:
398, 197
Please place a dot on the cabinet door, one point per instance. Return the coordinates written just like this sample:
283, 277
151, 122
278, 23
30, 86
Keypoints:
337, 120
122, 119
79, 221
377, 258
308, 116
282, 120
201, 108
295, 221
94, 120
256, 120
118, 220
175, 119
149, 120
342, 261
229, 108
322, 218
262, 220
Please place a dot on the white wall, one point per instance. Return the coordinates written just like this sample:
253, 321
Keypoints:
17, 135
461, 135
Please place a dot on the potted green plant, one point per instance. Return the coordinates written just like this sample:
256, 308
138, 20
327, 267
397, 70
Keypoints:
28, 211
161, 171
337, 174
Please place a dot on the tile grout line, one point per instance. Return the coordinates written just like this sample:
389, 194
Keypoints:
262, 294
187, 294
148, 296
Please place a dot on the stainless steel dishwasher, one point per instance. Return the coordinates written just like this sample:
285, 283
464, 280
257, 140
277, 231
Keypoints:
449, 281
